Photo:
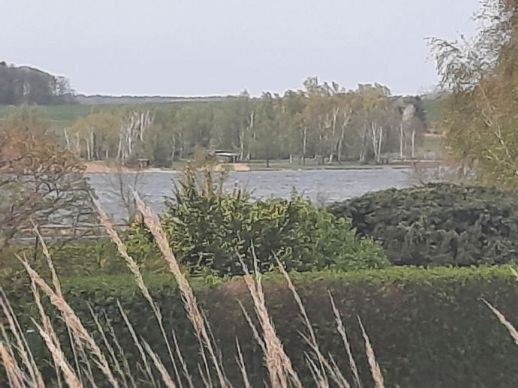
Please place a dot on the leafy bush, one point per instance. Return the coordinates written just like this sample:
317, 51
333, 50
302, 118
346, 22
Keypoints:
212, 230
438, 224
40, 180
428, 327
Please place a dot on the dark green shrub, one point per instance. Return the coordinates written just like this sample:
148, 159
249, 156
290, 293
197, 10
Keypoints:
438, 224
428, 327
210, 230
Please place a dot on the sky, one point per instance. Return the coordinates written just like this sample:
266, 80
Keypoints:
220, 47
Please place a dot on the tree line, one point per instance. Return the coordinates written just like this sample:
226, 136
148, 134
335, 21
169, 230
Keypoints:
321, 121
27, 85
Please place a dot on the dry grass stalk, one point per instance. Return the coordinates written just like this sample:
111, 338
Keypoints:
242, 367
140, 349
193, 312
71, 341
207, 382
343, 334
279, 365
255, 332
72, 321
337, 375
121, 353
121, 247
47, 326
46, 253
84, 359
515, 273
377, 376
11, 367
5, 338
312, 340
205, 372
51, 341
213, 339
21, 343
134, 268
109, 348
334, 373
503, 320
312, 368
159, 366
59, 358
319, 378
57, 287
185, 370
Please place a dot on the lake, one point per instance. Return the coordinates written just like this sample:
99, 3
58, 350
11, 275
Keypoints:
322, 186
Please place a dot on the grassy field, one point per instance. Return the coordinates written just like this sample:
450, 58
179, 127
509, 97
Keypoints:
71, 112
59, 115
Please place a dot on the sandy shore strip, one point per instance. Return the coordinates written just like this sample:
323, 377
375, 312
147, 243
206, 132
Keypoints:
104, 168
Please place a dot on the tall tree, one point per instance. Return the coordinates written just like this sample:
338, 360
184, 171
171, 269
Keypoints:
480, 110
95, 136
40, 180
266, 142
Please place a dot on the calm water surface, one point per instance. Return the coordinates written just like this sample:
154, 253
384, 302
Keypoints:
322, 186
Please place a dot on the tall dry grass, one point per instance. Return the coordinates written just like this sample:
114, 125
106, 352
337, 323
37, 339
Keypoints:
513, 332
134, 268
106, 364
280, 368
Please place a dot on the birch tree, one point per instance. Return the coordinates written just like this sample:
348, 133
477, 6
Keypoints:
134, 126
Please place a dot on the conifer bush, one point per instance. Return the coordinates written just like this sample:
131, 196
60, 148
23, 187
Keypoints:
212, 230
438, 224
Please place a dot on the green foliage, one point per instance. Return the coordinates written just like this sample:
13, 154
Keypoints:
438, 224
479, 112
428, 327
210, 229
79, 258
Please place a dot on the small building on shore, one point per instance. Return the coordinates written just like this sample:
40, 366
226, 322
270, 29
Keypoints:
226, 157
143, 163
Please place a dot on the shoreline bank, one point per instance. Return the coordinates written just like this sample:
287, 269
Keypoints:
102, 168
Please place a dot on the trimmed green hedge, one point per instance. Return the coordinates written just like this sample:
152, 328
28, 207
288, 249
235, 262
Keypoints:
438, 224
429, 328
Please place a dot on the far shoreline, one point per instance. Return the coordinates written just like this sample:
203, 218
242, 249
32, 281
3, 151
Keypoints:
103, 168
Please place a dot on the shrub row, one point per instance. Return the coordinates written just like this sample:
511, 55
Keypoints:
438, 224
429, 328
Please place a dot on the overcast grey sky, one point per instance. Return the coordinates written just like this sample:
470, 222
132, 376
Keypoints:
208, 47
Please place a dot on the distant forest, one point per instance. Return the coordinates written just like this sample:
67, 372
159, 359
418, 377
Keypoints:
321, 121
28, 85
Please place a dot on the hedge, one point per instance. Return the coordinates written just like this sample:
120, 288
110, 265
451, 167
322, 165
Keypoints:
429, 328
438, 224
